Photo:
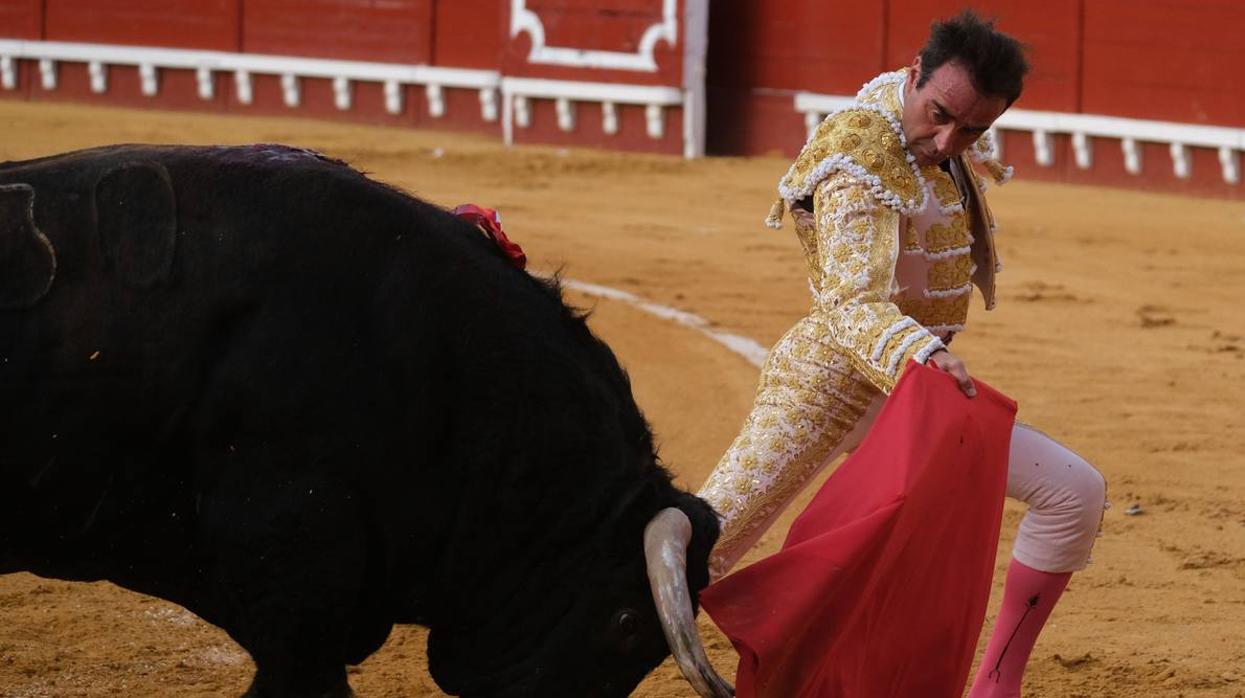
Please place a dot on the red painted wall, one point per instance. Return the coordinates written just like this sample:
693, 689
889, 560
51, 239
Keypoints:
204, 24
761, 54
596, 25
1177, 60
196, 24
469, 33
1050, 30
395, 31
21, 19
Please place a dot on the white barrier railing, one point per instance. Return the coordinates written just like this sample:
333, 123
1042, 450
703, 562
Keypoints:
1083, 128
516, 93
206, 64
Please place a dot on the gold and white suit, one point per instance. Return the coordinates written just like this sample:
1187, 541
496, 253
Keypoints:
893, 251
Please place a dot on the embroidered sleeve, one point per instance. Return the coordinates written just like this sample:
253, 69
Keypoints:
857, 248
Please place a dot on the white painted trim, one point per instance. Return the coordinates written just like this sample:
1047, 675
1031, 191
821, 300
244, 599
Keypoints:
1082, 150
242, 86
522, 111
1180, 160
655, 121
1132, 155
1082, 127
488, 104
343, 95
507, 118
752, 351
150, 59
1043, 148
291, 93
261, 64
394, 97
8, 72
695, 50
1090, 124
149, 74
593, 91
518, 93
47, 73
99, 76
436, 100
609, 118
524, 20
566, 114
205, 83
1230, 161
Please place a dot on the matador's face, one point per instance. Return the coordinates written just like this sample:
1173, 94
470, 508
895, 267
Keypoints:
947, 114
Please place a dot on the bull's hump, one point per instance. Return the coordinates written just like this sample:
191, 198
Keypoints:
269, 153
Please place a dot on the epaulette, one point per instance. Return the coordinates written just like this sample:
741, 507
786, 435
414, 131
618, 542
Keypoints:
866, 143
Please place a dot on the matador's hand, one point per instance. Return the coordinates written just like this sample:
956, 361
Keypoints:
944, 360
803, 217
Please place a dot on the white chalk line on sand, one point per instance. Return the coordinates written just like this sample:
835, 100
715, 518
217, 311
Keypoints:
750, 350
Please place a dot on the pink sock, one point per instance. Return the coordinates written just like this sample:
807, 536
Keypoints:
1028, 597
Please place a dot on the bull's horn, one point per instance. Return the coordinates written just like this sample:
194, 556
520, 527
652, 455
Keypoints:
665, 549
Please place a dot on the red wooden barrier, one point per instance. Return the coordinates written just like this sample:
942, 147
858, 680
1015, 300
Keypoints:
1174, 60
205, 24
621, 73
21, 19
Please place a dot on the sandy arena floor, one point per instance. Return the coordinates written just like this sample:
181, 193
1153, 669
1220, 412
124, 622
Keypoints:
1120, 331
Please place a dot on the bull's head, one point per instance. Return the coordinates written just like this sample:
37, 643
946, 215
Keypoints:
135, 217
615, 622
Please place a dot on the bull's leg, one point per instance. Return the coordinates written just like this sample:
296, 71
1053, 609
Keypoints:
285, 680
292, 556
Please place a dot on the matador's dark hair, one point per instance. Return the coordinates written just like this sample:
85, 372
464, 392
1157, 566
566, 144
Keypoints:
995, 61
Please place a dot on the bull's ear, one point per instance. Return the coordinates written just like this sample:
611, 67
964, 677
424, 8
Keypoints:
136, 215
27, 257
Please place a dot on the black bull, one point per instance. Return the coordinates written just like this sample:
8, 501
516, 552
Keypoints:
307, 406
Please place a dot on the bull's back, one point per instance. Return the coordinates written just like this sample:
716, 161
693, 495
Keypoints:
209, 300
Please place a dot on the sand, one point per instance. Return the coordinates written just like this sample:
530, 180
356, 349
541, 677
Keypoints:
1119, 330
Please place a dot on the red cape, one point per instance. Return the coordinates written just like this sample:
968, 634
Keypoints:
880, 589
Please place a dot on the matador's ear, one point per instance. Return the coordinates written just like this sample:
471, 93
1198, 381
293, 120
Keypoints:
136, 215
27, 257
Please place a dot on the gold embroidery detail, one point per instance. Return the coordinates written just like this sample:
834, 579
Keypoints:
936, 312
944, 186
884, 90
865, 144
912, 237
858, 249
952, 235
950, 273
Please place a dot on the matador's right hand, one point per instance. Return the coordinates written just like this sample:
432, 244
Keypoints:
944, 360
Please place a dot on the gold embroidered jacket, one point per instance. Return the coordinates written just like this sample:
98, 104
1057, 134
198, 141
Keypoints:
868, 194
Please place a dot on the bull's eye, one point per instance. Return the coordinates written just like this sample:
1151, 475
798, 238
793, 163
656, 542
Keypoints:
626, 622
626, 626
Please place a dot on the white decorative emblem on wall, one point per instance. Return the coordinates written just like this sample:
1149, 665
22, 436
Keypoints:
525, 20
